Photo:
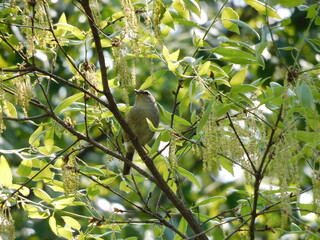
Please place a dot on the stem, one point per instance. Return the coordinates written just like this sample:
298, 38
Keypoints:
259, 174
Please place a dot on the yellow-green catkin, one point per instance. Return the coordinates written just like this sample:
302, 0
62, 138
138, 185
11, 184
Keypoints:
7, 230
284, 167
70, 176
124, 74
94, 5
88, 70
35, 16
316, 190
42, 35
210, 140
23, 92
131, 28
157, 5
172, 152
130, 20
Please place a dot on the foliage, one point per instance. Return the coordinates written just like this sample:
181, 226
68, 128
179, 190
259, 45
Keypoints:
237, 152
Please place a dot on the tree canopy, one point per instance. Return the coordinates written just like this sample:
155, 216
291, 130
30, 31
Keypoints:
236, 155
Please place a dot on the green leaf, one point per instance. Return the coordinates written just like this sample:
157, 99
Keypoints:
184, 104
104, 42
186, 22
151, 79
263, 8
25, 168
260, 47
291, 3
49, 140
243, 88
182, 228
245, 26
218, 233
239, 77
198, 42
71, 222
305, 96
210, 200
34, 139
124, 187
67, 27
36, 212
158, 231
167, 20
205, 116
153, 128
42, 195
194, 6
180, 7
91, 171
204, 69
10, 110
169, 58
190, 176
235, 55
306, 206
294, 227
67, 102
312, 11
6, 174
227, 15
166, 117
62, 202
63, 20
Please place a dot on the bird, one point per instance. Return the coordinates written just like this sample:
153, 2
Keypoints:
145, 106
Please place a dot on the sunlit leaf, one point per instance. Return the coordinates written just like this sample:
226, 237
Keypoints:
263, 8
194, 6
205, 117
34, 139
151, 79
91, 171
245, 26
36, 212
183, 225
74, 30
239, 77
204, 68
305, 96
190, 176
180, 7
227, 15
168, 20
210, 200
67, 102
71, 222
42, 195
291, 3
6, 174
10, 109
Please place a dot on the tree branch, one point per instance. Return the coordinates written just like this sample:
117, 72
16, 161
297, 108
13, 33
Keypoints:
185, 212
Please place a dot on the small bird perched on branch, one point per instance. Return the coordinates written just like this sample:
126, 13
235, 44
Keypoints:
145, 106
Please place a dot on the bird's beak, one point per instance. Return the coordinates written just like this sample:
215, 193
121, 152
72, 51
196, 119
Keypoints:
136, 91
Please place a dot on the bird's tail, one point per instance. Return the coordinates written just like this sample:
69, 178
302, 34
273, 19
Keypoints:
129, 155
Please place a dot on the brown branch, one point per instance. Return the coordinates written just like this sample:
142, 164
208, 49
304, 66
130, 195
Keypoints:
259, 174
185, 212
26, 118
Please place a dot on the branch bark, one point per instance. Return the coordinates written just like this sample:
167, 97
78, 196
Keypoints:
185, 212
